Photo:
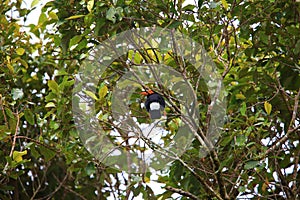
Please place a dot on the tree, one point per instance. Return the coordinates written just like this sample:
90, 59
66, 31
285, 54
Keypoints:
254, 46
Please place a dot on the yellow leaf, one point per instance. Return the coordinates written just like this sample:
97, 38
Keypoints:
17, 155
234, 83
240, 96
53, 15
91, 94
11, 68
135, 56
75, 17
24, 63
103, 91
153, 55
146, 179
53, 86
90, 5
268, 107
50, 105
225, 4
20, 51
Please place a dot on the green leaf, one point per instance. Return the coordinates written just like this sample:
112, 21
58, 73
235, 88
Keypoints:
89, 19
9, 113
110, 14
82, 44
174, 24
243, 109
200, 2
54, 125
136, 56
100, 23
34, 3
33, 151
241, 140
242, 189
53, 86
226, 140
53, 15
297, 47
75, 40
20, 51
29, 116
42, 18
103, 91
90, 169
24, 63
17, 93
240, 96
150, 193
251, 164
268, 107
189, 7
47, 153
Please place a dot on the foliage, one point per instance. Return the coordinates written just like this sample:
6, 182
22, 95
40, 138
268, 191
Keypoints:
255, 45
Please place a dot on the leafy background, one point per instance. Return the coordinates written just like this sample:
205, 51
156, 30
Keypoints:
256, 47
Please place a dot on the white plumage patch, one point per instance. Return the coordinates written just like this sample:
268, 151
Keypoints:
154, 106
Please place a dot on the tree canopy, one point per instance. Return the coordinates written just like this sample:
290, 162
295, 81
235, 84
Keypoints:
253, 46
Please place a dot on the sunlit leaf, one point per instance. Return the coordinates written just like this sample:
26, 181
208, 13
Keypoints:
241, 140
53, 86
110, 14
42, 18
90, 5
75, 17
146, 179
225, 4
20, 51
24, 63
103, 91
91, 94
54, 125
17, 155
34, 3
268, 107
75, 40
50, 105
17, 93
53, 15
240, 96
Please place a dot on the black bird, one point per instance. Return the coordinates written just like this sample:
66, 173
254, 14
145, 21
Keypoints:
154, 104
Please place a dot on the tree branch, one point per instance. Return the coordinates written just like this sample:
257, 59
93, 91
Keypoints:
182, 192
290, 129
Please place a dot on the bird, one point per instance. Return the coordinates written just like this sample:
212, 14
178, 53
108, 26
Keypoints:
154, 104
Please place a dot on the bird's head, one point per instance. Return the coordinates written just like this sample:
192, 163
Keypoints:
147, 92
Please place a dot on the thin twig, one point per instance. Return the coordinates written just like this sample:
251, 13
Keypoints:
290, 129
182, 192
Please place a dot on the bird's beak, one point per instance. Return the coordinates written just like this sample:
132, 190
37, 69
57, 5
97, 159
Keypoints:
144, 93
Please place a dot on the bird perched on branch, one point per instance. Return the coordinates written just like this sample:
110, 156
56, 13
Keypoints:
154, 104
